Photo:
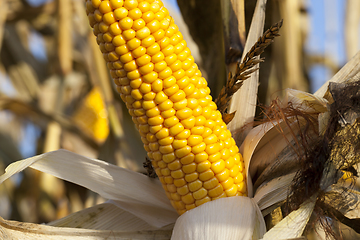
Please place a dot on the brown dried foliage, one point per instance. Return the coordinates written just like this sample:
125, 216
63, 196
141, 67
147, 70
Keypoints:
244, 70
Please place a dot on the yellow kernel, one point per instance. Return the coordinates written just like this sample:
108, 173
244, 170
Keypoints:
177, 174
201, 157
144, 128
234, 171
157, 156
133, 43
199, 148
180, 104
135, 13
161, 15
116, 3
168, 50
103, 27
177, 128
148, 41
142, 119
232, 191
144, 6
187, 159
175, 165
195, 185
183, 190
157, 85
105, 7
108, 37
223, 176
216, 192
166, 141
153, 112
199, 130
126, 90
205, 176
96, 3
153, 49
168, 113
138, 24
210, 139
212, 148
135, 83
150, 77
159, 34
229, 163
143, 33
200, 193
190, 89
120, 13
154, 7
175, 196
162, 133
135, 74
188, 199
213, 182
165, 172
202, 200
93, 23
126, 23
176, 66
168, 151
148, 16
169, 82
189, 168
130, 4
171, 90
194, 140
98, 15
156, 120
164, 24
154, 147
239, 178
241, 187
183, 82
113, 56
166, 105
182, 152
178, 143
203, 166
129, 34
130, 66
165, 73
164, 42
218, 166
139, 112
151, 137
214, 157
127, 57
135, 93
109, 18
188, 123
170, 59
228, 183
184, 113
191, 177
161, 97
160, 66
207, 132
184, 134
154, 25
148, 105
155, 129
148, 68
171, 188
180, 181
158, 57
200, 121
180, 95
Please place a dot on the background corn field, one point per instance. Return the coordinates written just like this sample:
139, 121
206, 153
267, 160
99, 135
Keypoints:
62, 97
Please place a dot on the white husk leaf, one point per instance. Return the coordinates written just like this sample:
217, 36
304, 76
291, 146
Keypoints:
274, 191
29, 231
105, 216
225, 218
244, 100
133, 192
293, 225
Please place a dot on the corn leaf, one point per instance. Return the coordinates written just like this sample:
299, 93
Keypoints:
133, 192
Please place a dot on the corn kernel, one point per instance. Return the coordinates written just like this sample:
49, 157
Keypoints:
130, 4
216, 192
204, 176
187, 159
195, 185
183, 190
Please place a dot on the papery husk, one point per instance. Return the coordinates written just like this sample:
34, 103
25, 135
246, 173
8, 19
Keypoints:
29, 231
225, 218
133, 192
293, 225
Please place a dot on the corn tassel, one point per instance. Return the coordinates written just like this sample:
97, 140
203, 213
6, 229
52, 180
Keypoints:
193, 153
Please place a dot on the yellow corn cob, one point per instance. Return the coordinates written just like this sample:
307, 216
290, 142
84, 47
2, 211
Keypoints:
193, 153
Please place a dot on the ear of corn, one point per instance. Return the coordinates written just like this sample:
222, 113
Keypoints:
193, 153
